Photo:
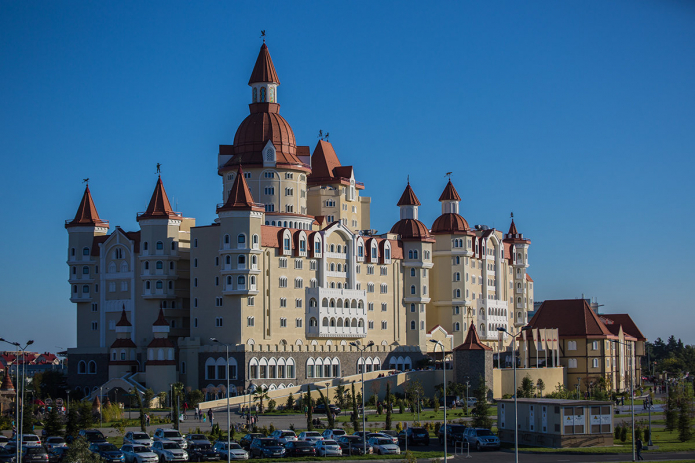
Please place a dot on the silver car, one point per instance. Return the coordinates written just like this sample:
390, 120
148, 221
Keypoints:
169, 451
481, 438
328, 448
384, 446
137, 438
136, 453
236, 452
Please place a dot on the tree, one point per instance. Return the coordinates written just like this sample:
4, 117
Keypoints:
148, 395
138, 402
72, 426
86, 420
195, 397
481, 410
162, 398
178, 396
671, 411
79, 453
329, 414
290, 402
414, 391
28, 413
259, 395
309, 409
53, 426
355, 421
527, 388
685, 411
339, 397
49, 384
540, 385
389, 406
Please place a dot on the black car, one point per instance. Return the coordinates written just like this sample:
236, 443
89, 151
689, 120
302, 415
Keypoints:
321, 409
34, 455
300, 448
108, 452
454, 433
266, 448
352, 445
56, 455
92, 435
414, 436
202, 452
246, 441
6, 456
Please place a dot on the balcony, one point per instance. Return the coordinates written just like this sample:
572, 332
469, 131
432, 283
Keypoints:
336, 313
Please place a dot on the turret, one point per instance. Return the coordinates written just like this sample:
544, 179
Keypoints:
160, 369
518, 256
264, 80
123, 358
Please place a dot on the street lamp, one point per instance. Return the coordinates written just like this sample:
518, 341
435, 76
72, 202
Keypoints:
101, 405
438, 343
516, 408
632, 394
364, 417
229, 453
19, 420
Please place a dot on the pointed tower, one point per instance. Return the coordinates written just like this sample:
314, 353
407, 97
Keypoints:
517, 247
123, 358
264, 79
160, 368
83, 257
162, 258
7, 385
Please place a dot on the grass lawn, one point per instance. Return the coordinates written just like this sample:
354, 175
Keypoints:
426, 415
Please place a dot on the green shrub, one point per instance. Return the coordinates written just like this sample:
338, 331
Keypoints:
271, 405
623, 433
616, 432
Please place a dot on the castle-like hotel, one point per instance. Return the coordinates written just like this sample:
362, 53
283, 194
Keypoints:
287, 276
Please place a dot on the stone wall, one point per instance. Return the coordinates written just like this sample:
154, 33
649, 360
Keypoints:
470, 365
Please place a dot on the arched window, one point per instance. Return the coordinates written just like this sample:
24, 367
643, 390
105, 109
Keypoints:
92, 367
255, 94
160, 245
85, 251
147, 265
262, 94
82, 367
412, 289
159, 285
313, 322
325, 321
241, 239
226, 239
147, 285
412, 324
159, 265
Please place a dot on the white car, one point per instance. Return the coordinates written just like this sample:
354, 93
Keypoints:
236, 452
328, 448
384, 446
333, 433
54, 442
31, 440
310, 436
136, 453
4, 440
169, 451
170, 435
137, 438
283, 436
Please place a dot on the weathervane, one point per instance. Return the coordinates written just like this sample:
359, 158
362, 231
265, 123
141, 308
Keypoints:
263, 35
448, 174
159, 168
86, 180
512, 216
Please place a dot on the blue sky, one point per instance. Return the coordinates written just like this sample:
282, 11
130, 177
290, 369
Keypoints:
577, 116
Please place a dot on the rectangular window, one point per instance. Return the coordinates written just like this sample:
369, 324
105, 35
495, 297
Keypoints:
250, 301
283, 302
384, 307
250, 321
298, 263
283, 262
371, 306
218, 322
312, 265
218, 302
195, 322
95, 326
283, 323
95, 307
298, 322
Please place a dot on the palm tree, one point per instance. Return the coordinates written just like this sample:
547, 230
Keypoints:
259, 395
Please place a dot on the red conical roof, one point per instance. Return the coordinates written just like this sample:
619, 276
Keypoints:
514, 236
512, 229
472, 341
159, 204
124, 319
87, 213
264, 71
7, 382
161, 321
239, 196
408, 198
450, 193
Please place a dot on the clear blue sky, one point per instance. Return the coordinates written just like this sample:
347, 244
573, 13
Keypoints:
577, 116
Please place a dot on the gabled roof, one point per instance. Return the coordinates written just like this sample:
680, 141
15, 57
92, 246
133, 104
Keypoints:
408, 198
87, 213
240, 196
614, 321
124, 319
159, 206
161, 321
528, 278
324, 160
264, 70
472, 341
449, 193
572, 318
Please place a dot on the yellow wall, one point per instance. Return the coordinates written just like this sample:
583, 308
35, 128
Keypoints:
503, 379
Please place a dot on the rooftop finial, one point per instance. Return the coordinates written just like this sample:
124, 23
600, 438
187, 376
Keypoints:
263, 35
512, 216
408, 179
159, 168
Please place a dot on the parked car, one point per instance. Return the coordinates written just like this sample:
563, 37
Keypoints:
169, 435
300, 448
203, 452
31, 440
266, 448
197, 439
92, 435
6, 456
384, 446
236, 452
451, 400
471, 402
57, 454
414, 436
4, 440
311, 436
393, 439
137, 453
54, 442
454, 433
137, 438
108, 452
34, 454
390, 432
333, 433
353, 445
283, 436
320, 409
481, 438
245, 441
168, 451
328, 448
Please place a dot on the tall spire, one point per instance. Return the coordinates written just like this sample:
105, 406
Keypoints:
264, 70
450, 199
87, 213
7, 382
159, 206
240, 196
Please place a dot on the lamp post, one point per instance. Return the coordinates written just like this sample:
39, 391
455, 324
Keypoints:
468, 386
632, 394
438, 343
101, 405
19, 422
68, 407
516, 408
364, 418
229, 454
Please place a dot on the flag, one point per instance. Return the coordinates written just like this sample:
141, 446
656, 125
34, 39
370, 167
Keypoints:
535, 338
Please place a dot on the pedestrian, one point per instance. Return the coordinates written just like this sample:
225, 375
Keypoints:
638, 447
211, 416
